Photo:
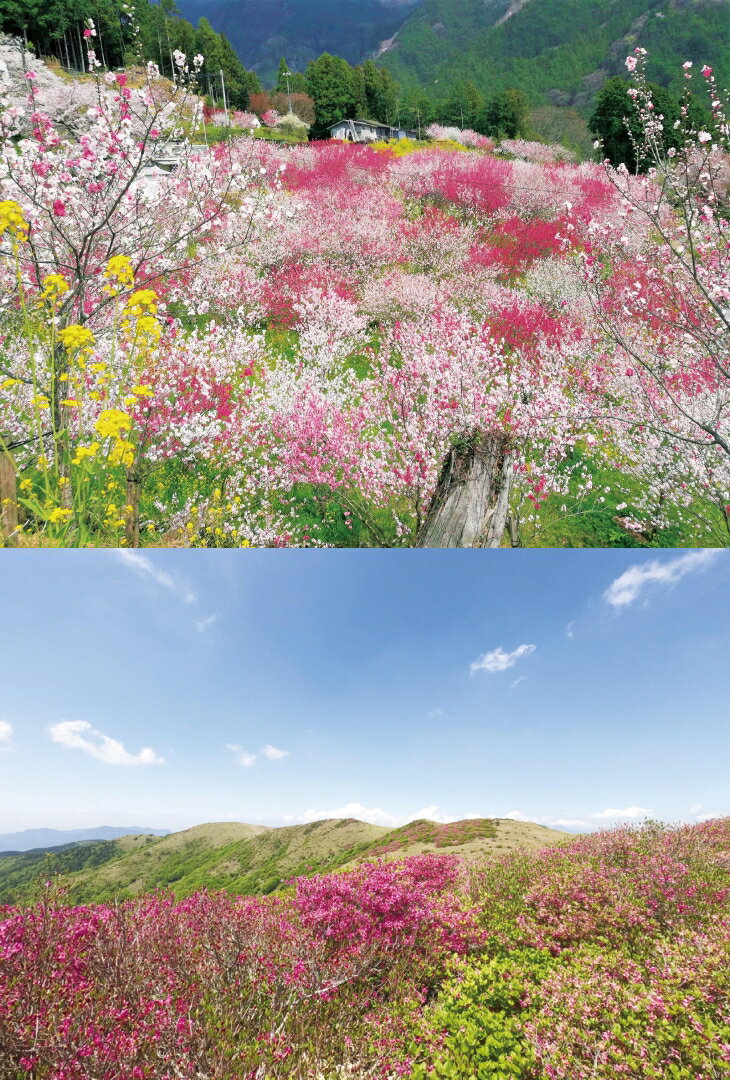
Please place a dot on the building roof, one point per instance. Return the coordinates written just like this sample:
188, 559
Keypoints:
368, 123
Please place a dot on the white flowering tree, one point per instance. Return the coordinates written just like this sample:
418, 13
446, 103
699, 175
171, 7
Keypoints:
665, 308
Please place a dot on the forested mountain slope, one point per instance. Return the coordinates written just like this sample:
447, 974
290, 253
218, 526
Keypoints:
558, 53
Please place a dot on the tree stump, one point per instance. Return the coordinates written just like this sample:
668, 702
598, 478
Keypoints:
8, 501
471, 502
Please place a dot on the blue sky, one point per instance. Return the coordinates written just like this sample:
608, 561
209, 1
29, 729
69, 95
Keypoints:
170, 688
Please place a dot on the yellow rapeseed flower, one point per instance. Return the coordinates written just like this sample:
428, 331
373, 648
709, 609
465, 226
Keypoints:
111, 422
121, 453
142, 302
76, 337
54, 286
143, 391
11, 218
119, 269
84, 452
71, 402
58, 514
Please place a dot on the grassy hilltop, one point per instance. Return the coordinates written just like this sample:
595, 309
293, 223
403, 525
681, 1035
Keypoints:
250, 859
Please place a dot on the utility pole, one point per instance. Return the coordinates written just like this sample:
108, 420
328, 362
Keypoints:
418, 114
225, 103
287, 76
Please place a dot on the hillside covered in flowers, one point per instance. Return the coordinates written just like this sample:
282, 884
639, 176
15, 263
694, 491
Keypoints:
605, 956
327, 344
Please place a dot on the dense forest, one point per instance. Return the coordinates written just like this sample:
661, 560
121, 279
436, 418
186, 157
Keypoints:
128, 33
555, 52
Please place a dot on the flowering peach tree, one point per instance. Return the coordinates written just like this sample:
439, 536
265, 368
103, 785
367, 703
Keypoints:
335, 344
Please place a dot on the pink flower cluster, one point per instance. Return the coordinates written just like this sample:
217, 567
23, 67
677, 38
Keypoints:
222, 986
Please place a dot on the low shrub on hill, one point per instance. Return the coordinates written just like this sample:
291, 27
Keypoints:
603, 958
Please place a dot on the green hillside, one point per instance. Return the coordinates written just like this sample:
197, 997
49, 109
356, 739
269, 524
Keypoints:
248, 859
557, 52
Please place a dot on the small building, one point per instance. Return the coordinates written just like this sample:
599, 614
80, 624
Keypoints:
364, 131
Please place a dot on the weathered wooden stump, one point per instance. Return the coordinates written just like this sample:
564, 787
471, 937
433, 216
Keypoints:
8, 501
471, 502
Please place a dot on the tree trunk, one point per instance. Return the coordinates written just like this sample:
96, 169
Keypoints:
131, 516
81, 49
8, 502
471, 502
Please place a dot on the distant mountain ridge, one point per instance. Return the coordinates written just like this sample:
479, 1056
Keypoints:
28, 839
249, 859
560, 53
300, 30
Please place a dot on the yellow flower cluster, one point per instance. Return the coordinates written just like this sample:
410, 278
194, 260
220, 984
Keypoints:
12, 220
54, 286
119, 269
138, 392
147, 329
111, 422
58, 514
83, 452
75, 337
142, 308
142, 302
121, 453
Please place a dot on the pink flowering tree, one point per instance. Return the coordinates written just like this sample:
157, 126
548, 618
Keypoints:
92, 231
665, 308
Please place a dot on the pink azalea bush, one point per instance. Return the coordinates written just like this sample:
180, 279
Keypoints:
229, 987
605, 956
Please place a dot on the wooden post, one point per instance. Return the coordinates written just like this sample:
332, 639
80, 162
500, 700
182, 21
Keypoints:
471, 503
8, 501
131, 516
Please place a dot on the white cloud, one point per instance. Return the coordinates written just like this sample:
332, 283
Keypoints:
431, 813
569, 629
273, 754
499, 660
79, 735
568, 822
436, 713
699, 818
241, 756
144, 566
517, 682
374, 815
377, 816
628, 586
516, 815
6, 734
629, 812
201, 625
